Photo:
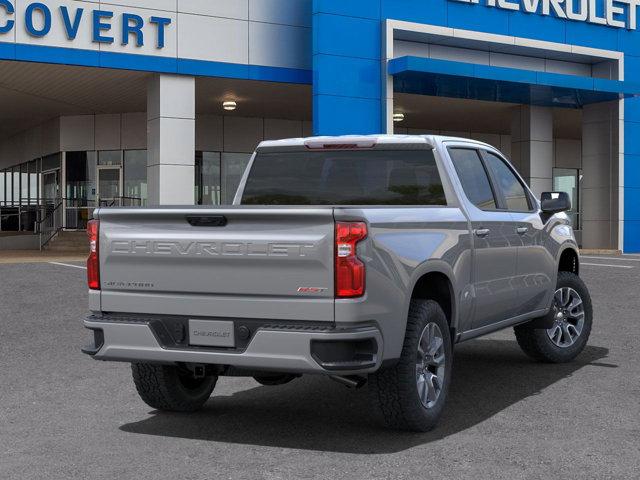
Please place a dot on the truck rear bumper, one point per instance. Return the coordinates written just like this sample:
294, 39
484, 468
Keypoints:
330, 351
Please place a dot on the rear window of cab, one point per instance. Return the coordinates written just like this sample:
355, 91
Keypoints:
344, 177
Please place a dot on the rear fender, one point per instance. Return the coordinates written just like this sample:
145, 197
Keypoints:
442, 267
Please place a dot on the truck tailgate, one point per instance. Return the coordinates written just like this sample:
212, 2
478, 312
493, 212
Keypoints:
235, 262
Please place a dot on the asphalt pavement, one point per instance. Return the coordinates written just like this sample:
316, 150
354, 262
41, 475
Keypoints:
66, 416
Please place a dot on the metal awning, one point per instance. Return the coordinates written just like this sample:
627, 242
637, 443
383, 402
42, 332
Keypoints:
446, 78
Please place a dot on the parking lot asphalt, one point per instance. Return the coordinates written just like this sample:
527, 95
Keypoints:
66, 416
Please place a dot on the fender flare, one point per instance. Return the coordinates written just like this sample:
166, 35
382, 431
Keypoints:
568, 245
434, 266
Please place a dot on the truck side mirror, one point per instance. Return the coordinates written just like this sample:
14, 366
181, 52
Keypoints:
555, 202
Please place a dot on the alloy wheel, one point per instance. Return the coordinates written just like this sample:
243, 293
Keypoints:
568, 313
430, 365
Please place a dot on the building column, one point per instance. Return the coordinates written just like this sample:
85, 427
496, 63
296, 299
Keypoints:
346, 68
599, 170
171, 131
532, 146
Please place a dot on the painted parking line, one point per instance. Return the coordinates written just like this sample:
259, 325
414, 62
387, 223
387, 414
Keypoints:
619, 259
68, 265
583, 263
606, 265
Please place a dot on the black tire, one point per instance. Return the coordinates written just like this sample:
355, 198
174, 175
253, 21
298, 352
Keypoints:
171, 388
394, 391
273, 380
536, 342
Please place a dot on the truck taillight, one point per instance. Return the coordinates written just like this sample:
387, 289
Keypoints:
93, 262
350, 271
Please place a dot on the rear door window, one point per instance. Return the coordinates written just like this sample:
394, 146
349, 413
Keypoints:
473, 177
343, 177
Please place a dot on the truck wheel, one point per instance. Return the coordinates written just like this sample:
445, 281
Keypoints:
167, 387
411, 394
272, 380
572, 317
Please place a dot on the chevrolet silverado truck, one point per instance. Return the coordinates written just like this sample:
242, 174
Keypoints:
365, 259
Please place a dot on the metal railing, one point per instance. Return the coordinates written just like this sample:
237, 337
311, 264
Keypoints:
49, 222
4, 216
78, 211
19, 214
46, 217
122, 202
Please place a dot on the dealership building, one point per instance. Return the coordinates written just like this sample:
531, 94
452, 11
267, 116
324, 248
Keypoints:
155, 102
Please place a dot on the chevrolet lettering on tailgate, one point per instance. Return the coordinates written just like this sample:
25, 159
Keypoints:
150, 247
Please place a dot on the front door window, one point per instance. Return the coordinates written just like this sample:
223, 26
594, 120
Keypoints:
513, 192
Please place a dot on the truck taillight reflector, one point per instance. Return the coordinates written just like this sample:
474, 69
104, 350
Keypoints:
93, 262
350, 271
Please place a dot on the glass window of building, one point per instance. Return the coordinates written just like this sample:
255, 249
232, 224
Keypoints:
233, 166
208, 187
135, 177
34, 181
80, 178
110, 157
24, 183
568, 180
80, 188
50, 186
50, 178
51, 162
16, 186
2, 187
109, 186
8, 186
217, 176
198, 179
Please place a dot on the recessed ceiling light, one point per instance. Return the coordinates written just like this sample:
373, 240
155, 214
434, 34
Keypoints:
229, 106
398, 117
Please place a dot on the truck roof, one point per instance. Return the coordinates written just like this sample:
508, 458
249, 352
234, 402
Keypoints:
363, 141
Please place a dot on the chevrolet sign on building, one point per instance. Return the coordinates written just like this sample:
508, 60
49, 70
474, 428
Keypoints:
155, 102
614, 13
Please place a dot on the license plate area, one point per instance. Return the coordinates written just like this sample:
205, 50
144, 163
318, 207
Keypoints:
211, 333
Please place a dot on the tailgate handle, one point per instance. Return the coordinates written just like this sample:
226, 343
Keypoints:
207, 220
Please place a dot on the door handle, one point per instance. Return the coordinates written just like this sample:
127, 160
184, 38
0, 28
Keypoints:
482, 232
522, 230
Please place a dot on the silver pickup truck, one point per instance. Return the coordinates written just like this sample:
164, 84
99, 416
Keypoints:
365, 259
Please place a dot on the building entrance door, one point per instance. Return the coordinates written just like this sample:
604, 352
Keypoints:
568, 180
50, 211
109, 186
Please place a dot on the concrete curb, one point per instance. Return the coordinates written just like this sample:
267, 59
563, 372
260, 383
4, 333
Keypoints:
30, 256
599, 251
